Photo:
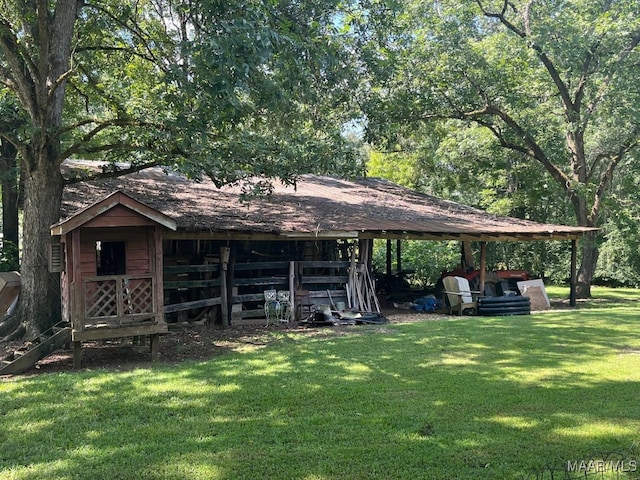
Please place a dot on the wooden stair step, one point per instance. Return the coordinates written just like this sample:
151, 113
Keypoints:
26, 357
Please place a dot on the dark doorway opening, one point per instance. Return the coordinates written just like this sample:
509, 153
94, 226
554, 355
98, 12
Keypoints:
110, 258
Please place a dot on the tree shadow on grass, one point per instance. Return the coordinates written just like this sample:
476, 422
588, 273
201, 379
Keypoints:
452, 398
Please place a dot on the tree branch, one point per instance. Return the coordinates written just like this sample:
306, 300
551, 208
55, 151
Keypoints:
58, 82
101, 125
497, 132
622, 56
607, 176
530, 147
93, 84
20, 75
108, 48
580, 89
43, 40
117, 172
542, 56
135, 30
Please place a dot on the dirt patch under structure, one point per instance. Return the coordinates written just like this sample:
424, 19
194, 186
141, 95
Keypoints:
196, 341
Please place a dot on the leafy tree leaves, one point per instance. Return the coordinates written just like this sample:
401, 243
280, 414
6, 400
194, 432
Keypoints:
554, 84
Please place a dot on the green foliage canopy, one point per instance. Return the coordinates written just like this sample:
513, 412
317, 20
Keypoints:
553, 83
225, 89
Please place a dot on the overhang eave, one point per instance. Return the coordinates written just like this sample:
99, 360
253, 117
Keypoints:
378, 234
476, 237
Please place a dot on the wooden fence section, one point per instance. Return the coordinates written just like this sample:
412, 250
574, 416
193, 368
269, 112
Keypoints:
236, 291
250, 280
192, 289
325, 281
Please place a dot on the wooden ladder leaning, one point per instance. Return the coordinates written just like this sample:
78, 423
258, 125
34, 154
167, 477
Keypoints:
25, 357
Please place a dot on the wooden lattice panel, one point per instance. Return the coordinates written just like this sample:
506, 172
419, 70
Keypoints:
101, 299
118, 300
138, 296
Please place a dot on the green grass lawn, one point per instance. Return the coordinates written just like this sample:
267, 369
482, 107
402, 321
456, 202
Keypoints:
524, 397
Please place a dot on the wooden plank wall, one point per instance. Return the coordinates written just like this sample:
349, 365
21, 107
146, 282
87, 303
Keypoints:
192, 290
138, 254
325, 281
250, 281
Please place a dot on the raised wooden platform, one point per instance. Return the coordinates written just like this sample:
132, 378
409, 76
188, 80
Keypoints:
100, 333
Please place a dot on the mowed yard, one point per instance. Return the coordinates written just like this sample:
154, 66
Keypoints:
553, 395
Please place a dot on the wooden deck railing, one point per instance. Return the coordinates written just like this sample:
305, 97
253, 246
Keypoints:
119, 300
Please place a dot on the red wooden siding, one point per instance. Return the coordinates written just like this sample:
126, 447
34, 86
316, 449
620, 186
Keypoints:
138, 254
119, 216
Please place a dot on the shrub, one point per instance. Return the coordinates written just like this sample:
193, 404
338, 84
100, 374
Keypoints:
9, 259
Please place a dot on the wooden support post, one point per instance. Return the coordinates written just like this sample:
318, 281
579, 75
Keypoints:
399, 255
483, 266
224, 292
154, 340
76, 295
231, 278
158, 264
77, 354
389, 268
292, 289
352, 294
367, 247
573, 282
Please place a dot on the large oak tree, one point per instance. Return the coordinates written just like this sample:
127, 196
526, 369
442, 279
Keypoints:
225, 89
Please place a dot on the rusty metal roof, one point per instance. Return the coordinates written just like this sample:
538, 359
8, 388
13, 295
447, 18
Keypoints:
317, 207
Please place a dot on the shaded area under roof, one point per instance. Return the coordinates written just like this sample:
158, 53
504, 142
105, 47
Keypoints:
318, 207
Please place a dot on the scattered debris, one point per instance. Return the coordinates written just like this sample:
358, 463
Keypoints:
428, 303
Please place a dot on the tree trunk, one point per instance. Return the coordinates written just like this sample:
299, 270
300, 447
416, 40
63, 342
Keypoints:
467, 262
41, 91
39, 306
588, 263
14, 328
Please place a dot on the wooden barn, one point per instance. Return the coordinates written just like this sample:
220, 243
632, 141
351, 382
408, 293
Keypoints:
188, 250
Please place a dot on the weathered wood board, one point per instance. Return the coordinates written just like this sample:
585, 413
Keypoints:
23, 360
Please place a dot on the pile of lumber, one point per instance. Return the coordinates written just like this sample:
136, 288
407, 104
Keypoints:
361, 290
